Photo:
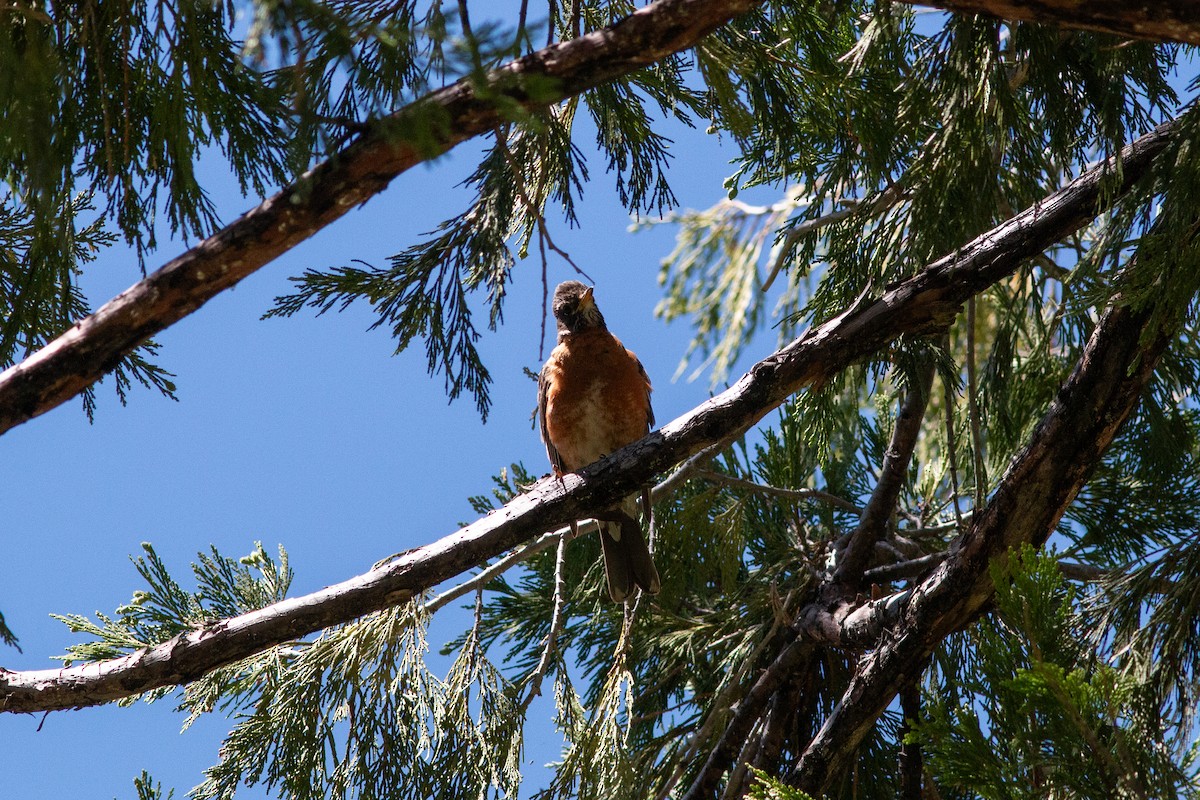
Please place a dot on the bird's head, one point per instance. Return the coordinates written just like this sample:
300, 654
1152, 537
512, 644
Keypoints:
575, 308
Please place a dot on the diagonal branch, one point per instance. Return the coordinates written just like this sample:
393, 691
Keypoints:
831, 619
358, 172
872, 525
923, 302
1163, 20
1041, 482
749, 711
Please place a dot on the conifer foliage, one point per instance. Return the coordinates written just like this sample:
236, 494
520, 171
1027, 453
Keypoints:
941, 543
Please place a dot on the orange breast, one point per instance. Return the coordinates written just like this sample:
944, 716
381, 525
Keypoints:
598, 398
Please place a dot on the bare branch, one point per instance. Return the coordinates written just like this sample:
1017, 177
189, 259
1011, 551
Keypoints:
791, 494
951, 449
888, 197
749, 711
727, 698
919, 304
484, 576
911, 761
358, 172
873, 523
904, 569
556, 624
980, 467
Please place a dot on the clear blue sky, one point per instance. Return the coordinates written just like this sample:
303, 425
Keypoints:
306, 432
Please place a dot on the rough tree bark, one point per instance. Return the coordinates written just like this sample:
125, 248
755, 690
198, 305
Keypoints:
364, 168
361, 170
927, 301
1163, 21
1041, 482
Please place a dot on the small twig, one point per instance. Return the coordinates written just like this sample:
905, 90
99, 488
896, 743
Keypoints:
903, 569
464, 18
539, 544
522, 17
888, 548
783, 706
523, 194
556, 625
1071, 570
745, 718
952, 451
762, 488
973, 408
545, 308
934, 530
690, 467
885, 198
736, 783
724, 699
911, 760
478, 611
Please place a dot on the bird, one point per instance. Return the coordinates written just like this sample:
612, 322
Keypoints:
593, 399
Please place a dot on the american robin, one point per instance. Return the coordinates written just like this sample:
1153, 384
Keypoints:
593, 399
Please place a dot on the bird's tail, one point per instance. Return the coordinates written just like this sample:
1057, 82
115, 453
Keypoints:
627, 559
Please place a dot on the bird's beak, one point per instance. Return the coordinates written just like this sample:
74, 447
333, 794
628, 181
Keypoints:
586, 300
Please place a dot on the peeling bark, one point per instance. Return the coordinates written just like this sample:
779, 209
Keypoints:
930, 299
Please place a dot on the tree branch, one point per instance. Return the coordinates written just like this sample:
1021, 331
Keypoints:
358, 172
749, 711
872, 525
799, 495
1040, 483
911, 761
1164, 20
924, 302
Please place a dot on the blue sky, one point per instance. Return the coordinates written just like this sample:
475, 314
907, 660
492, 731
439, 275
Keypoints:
304, 431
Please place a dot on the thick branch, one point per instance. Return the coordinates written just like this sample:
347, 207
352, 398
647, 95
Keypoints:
839, 620
928, 299
1163, 20
1040, 483
361, 170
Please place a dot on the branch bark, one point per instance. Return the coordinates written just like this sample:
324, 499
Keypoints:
872, 525
912, 766
1040, 483
927, 301
750, 709
1164, 20
361, 170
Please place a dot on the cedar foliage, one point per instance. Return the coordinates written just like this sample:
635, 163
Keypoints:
891, 138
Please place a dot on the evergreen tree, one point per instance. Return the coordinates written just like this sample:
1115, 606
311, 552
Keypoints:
941, 543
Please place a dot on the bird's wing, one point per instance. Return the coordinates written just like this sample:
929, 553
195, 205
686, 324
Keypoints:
543, 391
645, 377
